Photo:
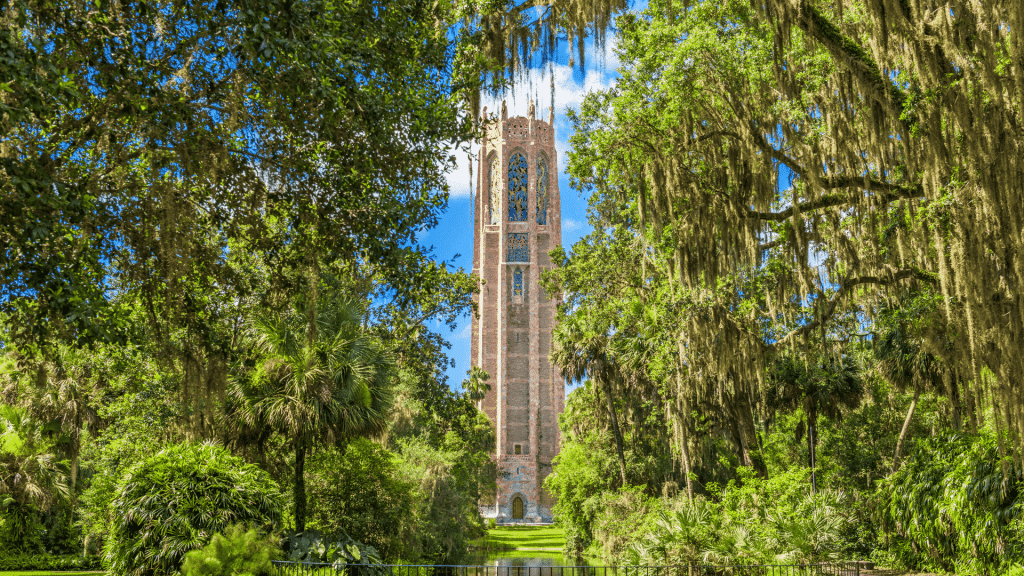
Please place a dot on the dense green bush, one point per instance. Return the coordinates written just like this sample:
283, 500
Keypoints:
359, 491
951, 508
311, 546
235, 552
750, 521
48, 562
173, 502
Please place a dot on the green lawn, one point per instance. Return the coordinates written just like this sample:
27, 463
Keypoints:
526, 537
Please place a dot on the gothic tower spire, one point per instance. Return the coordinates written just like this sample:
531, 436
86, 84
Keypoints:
517, 222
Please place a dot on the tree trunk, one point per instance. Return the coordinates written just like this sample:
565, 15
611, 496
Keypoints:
300, 484
972, 407
75, 448
615, 431
748, 434
683, 432
686, 450
956, 407
903, 432
812, 423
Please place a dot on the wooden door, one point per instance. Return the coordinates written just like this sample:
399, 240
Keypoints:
517, 508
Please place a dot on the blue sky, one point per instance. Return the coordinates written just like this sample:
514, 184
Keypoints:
454, 234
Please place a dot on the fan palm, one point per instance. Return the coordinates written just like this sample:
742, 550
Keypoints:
903, 363
823, 388
30, 476
65, 398
322, 382
581, 350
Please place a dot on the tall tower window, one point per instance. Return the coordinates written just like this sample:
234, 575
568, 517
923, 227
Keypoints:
518, 249
517, 287
494, 185
542, 190
517, 178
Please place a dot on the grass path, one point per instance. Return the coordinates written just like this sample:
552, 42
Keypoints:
526, 538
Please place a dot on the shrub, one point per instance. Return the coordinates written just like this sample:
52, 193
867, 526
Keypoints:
174, 501
311, 546
236, 552
48, 562
360, 492
753, 521
953, 506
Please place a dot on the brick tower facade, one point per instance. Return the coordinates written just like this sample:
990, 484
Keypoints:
517, 221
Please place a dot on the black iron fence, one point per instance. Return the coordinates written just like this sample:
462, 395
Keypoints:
317, 569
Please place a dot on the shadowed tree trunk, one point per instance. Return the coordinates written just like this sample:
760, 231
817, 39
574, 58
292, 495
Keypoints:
300, 484
685, 442
743, 414
812, 424
904, 430
615, 430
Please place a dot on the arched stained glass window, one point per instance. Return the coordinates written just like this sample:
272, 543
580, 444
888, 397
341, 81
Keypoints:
542, 190
517, 175
494, 183
517, 282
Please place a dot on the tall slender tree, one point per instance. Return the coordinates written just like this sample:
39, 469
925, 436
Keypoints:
582, 351
321, 389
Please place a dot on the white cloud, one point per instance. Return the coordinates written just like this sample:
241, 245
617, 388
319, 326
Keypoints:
570, 224
466, 332
458, 179
569, 92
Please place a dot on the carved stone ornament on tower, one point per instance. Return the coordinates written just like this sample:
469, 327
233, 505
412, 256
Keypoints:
517, 223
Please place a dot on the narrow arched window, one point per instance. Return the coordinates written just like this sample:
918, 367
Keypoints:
517, 282
494, 190
517, 184
542, 190
517, 508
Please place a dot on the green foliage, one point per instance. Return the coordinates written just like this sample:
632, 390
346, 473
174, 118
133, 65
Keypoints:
311, 546
756, 521
358, 490
236, 552
68, 562
583, 475
31, 480
173, 502
320, 378
257, 100
443, 443
449, 479
954, 507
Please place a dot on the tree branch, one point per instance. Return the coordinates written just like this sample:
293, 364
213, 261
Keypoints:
889, 191
845, 287
893, 191
856, 58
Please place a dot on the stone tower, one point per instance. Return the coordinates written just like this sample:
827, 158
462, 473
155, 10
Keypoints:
517, 221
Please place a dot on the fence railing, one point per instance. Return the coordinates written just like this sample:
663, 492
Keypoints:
318, 569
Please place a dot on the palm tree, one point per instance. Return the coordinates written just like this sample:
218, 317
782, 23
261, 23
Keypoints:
328, 386
580, 350
821, 388
60, 393
30, 476
904, 364
66, 399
